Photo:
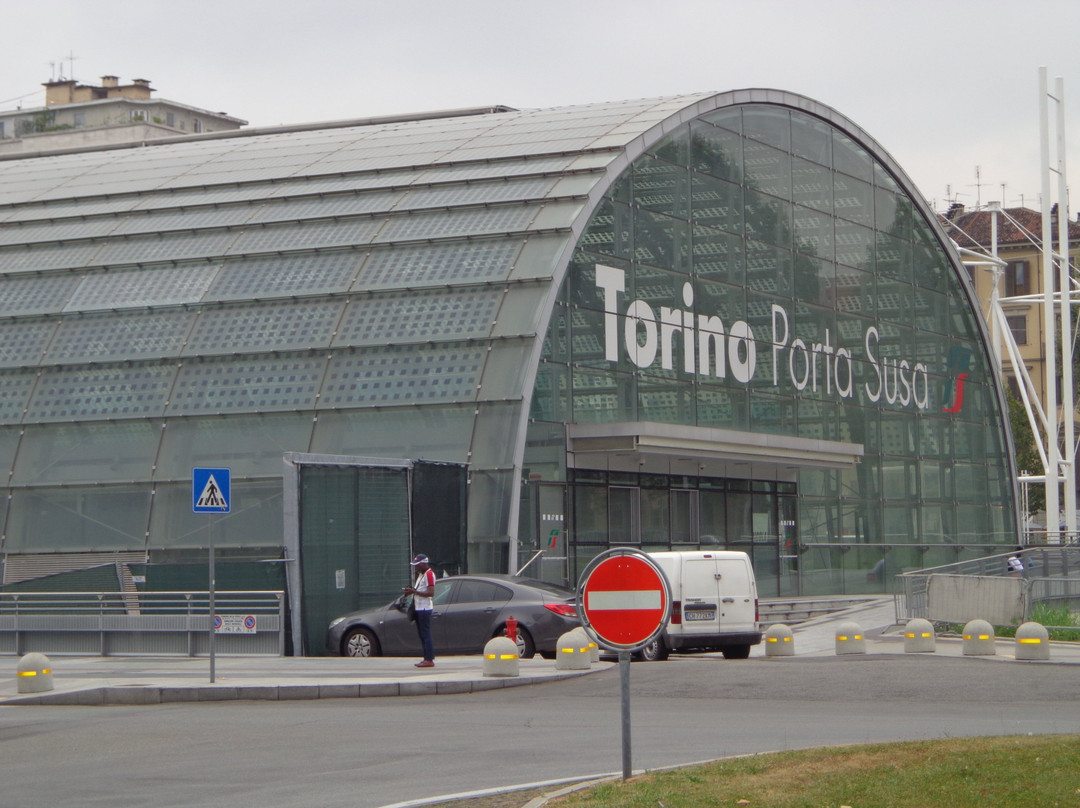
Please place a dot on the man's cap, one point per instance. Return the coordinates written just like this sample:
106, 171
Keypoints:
420, 559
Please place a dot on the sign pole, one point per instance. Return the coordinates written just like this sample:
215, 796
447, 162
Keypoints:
213, 605
211, 493
624, 601
624, 681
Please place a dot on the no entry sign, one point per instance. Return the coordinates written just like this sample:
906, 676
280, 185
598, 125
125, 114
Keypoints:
625, 599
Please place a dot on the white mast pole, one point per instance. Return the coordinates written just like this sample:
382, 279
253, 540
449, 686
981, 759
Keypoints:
1053, 464
1067, 392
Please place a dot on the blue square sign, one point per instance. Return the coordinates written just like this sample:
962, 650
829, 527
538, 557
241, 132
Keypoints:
210, 490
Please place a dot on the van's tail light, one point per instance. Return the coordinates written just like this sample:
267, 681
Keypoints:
757, 613
676, 613
564, 609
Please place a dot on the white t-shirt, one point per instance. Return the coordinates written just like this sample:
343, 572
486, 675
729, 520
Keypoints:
1015, 564
424, 581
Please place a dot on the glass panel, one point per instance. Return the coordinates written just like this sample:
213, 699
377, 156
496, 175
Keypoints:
589, 504
810, 138
716, 151
431, 265
43, 294
408, 374
120, 336
255, 513
22, 342
495, 444
434, 433
256, 327
253, 444
655, 520
79, 520
623, 511
88, 453
285, 276
418, 316
87, 392
134, 288
268, 383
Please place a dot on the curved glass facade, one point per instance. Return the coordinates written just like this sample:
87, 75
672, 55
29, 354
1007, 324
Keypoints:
757, 270
708, 320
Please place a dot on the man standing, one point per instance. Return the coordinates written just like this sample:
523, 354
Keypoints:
423, 590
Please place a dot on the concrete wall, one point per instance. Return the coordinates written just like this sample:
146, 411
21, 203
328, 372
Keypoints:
960, 598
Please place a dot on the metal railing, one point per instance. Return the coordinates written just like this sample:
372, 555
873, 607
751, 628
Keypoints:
141, 623
1050, 574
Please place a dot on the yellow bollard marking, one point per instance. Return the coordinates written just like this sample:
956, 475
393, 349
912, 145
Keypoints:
841, 638
927, 634
490, 656
858, 636
1034, 640
984, 636
771, 639
509, 656
910, 636
787, 639
27, 673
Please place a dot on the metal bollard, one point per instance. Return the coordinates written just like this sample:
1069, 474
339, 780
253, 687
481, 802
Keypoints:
34, 674
1032, 641
849, 639
919, 637
779, 641
979, 639
571, 653
501, 657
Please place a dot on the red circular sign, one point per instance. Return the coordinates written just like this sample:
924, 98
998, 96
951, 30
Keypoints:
625, 601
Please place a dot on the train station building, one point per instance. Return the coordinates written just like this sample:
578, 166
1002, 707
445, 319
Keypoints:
506, 338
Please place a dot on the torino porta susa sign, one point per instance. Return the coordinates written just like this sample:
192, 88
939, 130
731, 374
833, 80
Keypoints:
713, 350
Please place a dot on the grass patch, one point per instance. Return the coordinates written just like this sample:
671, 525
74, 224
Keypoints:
1001, 772
1057, 621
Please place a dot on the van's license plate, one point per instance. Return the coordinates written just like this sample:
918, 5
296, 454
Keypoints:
699, 615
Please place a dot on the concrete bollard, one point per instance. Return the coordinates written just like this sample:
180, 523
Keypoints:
571, 654
919, 637
1032, 641
979, 639
849, 639
34, 674
585, 639
779, 641
501, 657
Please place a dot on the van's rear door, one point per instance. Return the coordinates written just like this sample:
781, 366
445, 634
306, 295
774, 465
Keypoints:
738, 595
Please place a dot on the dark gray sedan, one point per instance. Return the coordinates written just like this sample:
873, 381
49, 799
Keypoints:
469, 611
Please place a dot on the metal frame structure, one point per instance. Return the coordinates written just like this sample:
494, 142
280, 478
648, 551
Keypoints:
1051, 421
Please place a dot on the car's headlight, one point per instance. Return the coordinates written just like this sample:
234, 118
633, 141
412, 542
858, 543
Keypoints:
336, 622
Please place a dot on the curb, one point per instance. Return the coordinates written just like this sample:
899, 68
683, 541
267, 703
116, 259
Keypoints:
131, 695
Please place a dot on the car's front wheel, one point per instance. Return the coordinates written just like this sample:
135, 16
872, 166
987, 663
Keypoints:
360, 642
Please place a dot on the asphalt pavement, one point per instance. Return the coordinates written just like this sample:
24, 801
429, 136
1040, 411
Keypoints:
124, 680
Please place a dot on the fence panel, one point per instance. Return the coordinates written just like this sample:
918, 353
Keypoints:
144, 623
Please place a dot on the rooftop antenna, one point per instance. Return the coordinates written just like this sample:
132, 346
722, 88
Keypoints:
71, 57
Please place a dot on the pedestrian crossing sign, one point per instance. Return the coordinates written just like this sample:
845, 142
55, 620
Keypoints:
210, 490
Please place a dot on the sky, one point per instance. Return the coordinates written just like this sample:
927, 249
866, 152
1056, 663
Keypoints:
950, 88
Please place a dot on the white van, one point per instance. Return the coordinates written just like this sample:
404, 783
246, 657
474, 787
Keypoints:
714, 604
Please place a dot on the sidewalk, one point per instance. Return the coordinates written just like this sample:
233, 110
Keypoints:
159, 680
